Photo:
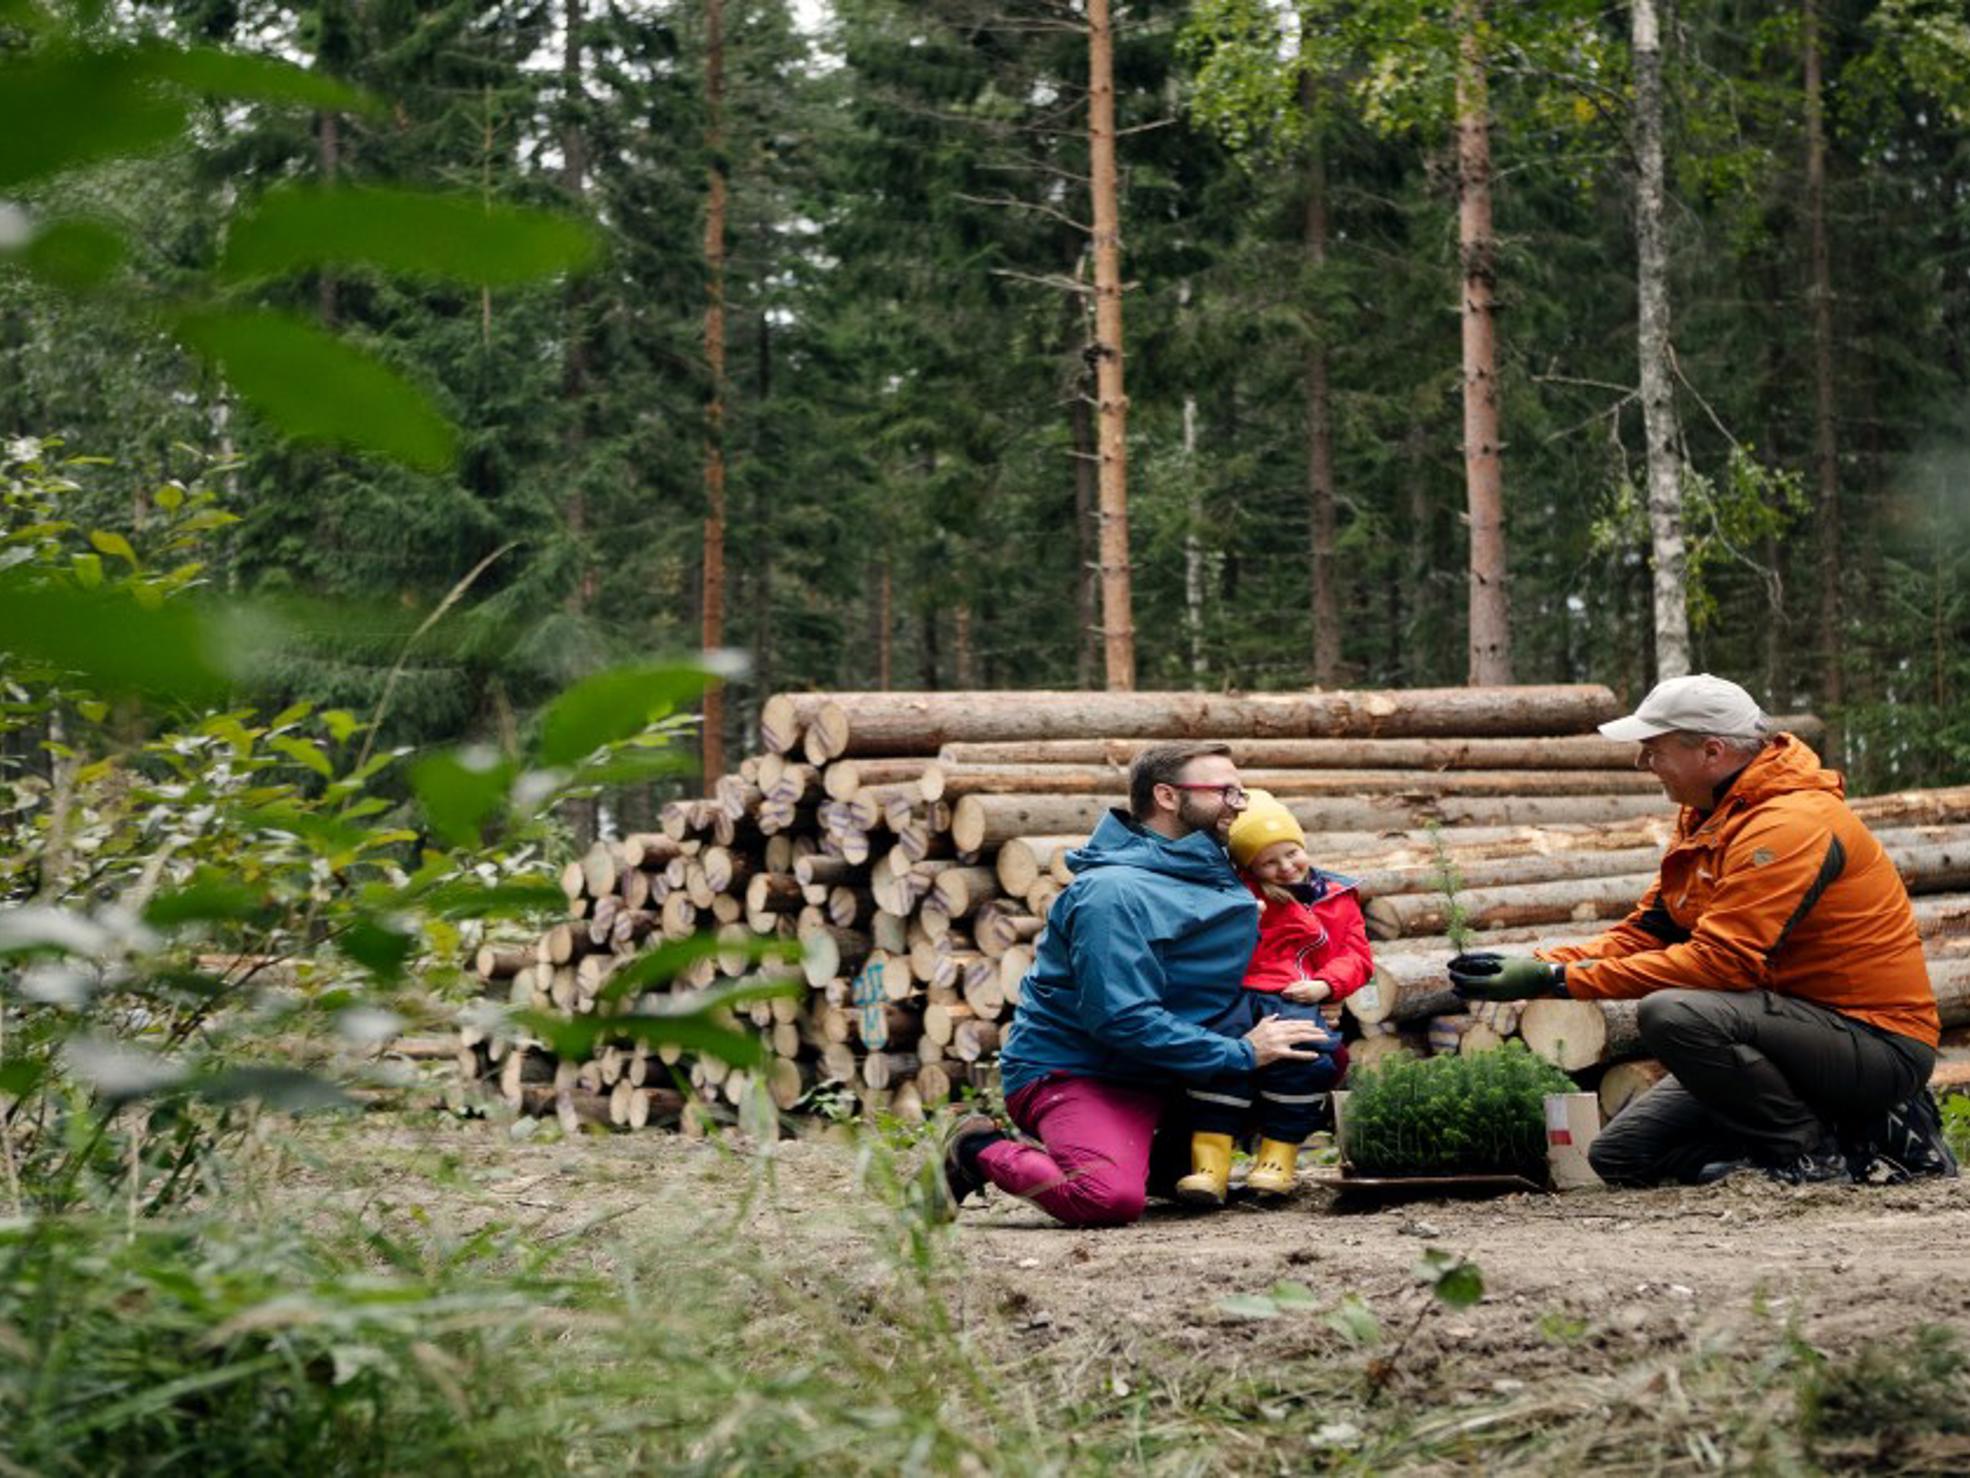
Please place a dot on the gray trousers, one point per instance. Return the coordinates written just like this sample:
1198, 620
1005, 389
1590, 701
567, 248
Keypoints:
1754, 1076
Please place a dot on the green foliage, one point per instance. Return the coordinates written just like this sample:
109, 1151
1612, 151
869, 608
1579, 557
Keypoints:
1449, 882
1956, 1123
1476, 1115
69, 101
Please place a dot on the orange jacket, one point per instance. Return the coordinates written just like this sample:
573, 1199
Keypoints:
1781, 888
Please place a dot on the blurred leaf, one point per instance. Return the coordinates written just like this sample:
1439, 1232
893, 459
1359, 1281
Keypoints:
288, 1089
317, 388
18, 1079
612, 706
694, 1033
1293, 1296
636, 767
459, 793
113, 544
1248, 1306
61, 108
175, 651
496, 900
1460, 1285
303, 753
205, 898
379, 948
671, 959
35, 926
1354, 1321
260, 79
72, 255
117, 1071
412, 232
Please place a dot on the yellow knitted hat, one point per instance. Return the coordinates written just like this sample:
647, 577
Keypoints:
1263, 822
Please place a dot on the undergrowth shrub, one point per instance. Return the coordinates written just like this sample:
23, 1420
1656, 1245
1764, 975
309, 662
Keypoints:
1890, 1392
1479, 1115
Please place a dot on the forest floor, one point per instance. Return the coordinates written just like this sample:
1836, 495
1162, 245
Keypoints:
1742, 1326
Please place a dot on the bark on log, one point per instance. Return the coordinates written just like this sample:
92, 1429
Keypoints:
1504, 872
829, 951
891, 723
960, 891
1573, 900
501, 961
961, 781
1554, 752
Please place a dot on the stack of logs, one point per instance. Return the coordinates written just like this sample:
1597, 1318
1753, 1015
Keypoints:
912, 844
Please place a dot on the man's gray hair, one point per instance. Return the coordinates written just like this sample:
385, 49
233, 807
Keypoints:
1747, 745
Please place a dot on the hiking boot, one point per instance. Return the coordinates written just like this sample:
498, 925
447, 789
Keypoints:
1824, 1166
1903, 1144
955, 1175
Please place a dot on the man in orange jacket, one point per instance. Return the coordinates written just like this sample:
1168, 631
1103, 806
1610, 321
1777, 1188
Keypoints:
1776, 957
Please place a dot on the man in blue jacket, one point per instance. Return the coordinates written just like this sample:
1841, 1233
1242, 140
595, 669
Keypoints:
1148, 942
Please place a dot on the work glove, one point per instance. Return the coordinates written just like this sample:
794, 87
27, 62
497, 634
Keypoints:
1489, 976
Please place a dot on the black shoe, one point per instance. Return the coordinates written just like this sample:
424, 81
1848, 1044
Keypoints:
1905, 1143
957, 1174
1824, 1166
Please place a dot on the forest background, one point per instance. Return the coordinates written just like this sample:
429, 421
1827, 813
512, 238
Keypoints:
905, 427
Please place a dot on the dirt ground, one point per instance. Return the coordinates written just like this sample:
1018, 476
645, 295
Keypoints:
1606, 1316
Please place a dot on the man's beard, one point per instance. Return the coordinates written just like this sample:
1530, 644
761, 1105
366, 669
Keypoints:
1196, 816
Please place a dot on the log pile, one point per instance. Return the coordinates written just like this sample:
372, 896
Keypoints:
911, 844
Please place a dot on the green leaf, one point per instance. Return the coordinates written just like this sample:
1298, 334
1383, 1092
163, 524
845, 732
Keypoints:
669, 960
461, 790
260, 79
1248, 1306
115, 545
18, 1079
476, 900
1293, 1296
379, 948
303, 753
412, 232
612, 706
340, 724
75, 256
694, 1033
178, 651
204, 898
285, 1088
317, 388
1354, 1321
1459, 1285
62, 108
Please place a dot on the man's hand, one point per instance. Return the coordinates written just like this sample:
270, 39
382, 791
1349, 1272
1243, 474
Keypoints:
1488, 976
1307, 992
1276, 1038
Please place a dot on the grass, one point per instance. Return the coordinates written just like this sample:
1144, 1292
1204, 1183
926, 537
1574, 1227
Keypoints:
436, 1298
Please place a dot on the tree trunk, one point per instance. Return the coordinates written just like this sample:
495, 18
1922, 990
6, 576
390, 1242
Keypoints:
1087, 541
1110, 780
1117, 620
1573, 1035
1665, 486
1562, 901
713, 624
1484, 483
582, 812
1324, 568
1826, 471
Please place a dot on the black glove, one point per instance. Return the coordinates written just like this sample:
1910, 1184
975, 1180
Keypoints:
1489, 976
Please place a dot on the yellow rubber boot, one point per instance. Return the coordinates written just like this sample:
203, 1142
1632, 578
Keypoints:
1272, 1168
1210, 1171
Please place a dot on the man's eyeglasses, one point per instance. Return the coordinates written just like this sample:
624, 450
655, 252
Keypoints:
1231, 795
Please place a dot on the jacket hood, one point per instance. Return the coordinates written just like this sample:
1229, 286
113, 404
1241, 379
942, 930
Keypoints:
1784, 766
1122, 841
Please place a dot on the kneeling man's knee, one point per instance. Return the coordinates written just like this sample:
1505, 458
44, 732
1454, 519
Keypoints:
1671, 1016
1110, 1202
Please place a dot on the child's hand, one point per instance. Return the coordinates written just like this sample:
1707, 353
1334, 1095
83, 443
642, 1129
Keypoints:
1307, 992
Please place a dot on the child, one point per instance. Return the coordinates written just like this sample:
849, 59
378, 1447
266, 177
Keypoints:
1312, 951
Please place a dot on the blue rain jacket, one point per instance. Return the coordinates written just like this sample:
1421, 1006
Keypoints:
1149, 941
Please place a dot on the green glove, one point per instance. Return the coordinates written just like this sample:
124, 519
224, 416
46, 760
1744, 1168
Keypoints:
1487, 976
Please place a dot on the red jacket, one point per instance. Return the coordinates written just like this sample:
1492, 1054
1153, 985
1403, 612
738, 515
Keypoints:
1322, 938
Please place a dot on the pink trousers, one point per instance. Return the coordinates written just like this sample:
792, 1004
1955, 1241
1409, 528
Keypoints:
1094, 1171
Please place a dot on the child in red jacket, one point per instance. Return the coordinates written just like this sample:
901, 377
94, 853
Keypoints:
1312, 953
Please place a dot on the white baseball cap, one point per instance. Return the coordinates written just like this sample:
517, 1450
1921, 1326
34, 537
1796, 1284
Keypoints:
1697, 704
